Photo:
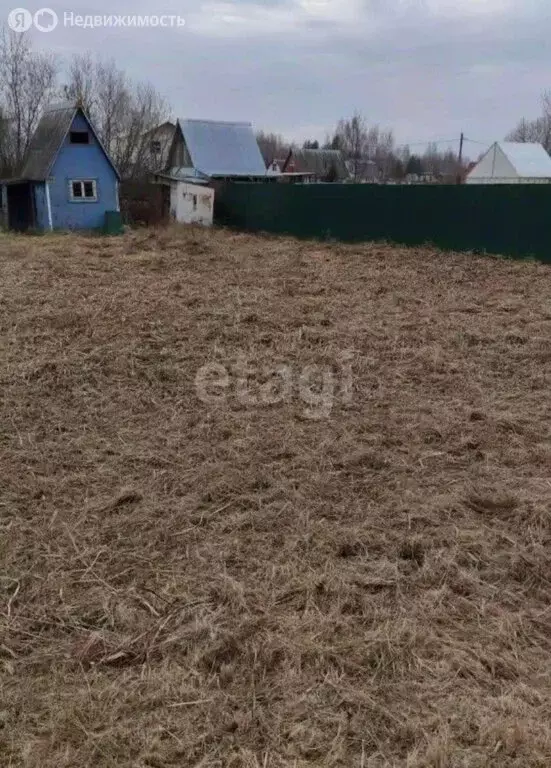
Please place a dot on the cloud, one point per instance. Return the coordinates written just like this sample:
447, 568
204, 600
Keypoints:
428, 68
360, 18
293, 18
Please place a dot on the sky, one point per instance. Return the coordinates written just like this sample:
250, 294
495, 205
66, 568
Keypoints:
428, 69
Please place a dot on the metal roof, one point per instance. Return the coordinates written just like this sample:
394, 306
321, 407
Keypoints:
183, 172
48, 138
189, 175
528, 160
511, 160
223, 149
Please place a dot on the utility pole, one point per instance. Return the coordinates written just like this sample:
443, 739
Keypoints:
460, 158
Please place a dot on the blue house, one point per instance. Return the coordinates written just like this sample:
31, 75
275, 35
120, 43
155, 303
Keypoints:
68, 180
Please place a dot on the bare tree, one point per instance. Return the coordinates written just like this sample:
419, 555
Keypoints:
538, 130
124, 113
351, 136
381, 150
5, 146
131, 147
272, 146
362, 145
82, 82
531, 131
27, 83
113, 102
431, 159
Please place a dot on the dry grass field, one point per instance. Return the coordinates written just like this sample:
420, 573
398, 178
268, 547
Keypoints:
246, 581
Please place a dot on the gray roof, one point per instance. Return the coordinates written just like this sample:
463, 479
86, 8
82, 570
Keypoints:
179, 173
223, 149
48, 138
318, 161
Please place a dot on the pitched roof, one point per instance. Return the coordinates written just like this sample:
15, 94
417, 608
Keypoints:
527, 159
317, 161
48, 138
158, 128
511, 159
223, 149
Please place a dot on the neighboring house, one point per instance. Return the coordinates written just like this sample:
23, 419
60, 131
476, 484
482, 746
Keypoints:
427, 177
274, 168
206, 150
316, 164
202, 154
140, 155
290, 176
156, 146
508, 162
68, 180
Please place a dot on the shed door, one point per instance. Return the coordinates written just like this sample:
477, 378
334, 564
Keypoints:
165, 202
20, 207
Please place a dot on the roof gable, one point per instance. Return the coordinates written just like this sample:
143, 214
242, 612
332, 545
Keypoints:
493, 164
48, 139
317, 161
222, 149
513, 160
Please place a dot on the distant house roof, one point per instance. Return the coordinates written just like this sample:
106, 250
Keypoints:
222, 149
318, 162
48, 138
511, 159
168, 125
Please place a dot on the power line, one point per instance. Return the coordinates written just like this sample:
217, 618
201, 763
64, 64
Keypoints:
426, 142
474, 141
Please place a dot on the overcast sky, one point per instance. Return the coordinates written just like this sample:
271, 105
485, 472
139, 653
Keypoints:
427, 68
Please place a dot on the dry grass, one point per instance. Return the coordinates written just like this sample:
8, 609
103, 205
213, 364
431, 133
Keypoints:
184, 585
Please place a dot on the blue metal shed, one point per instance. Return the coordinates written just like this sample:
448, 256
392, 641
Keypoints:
68, 180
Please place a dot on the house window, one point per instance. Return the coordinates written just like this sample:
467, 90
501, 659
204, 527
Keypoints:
155, 147
83, 190
79, 137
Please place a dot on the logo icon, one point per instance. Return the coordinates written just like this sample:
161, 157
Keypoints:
20, 20
45, 20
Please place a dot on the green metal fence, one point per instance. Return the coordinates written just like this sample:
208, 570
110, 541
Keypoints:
513, 220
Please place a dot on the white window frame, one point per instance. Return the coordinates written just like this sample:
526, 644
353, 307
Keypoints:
82, 198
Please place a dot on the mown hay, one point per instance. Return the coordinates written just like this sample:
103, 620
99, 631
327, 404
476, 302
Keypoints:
229, 584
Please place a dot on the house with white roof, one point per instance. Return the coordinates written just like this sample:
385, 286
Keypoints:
510, 162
